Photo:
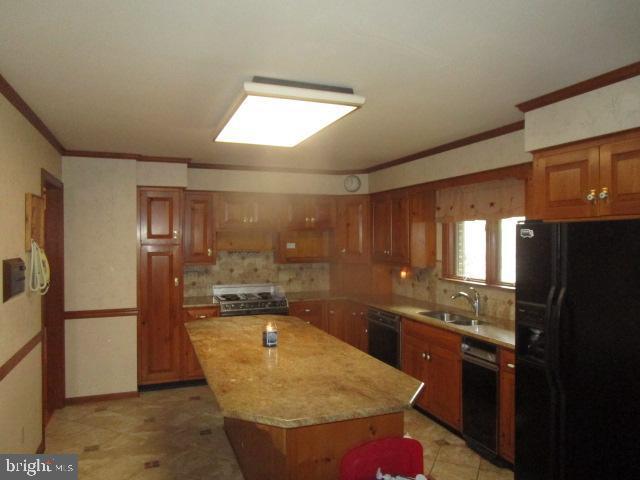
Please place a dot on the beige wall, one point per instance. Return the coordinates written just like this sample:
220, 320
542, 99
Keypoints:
100, 273
161, 174
494, 153
270, 182
606, 110
100, 356
23, 152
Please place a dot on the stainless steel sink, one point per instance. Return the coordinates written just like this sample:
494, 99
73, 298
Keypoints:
454, 318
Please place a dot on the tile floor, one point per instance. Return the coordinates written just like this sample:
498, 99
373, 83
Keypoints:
177, 434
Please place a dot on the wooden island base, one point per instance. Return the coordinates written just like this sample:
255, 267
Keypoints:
265, 452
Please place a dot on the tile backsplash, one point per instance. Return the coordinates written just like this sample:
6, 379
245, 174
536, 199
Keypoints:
426, 284
254, 267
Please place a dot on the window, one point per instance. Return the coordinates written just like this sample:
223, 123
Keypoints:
482, 251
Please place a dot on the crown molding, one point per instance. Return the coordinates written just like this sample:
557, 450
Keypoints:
258, 168
609, 78
125, 156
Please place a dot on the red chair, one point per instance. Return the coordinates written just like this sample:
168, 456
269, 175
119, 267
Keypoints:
396, 456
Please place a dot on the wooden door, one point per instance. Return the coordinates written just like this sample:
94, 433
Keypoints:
160, 216
353, 233
336, 324
199, 242
414, 363
619, 188
357, 332
160, 313
400, 227
507, 407
381, 227
311, 311
564, 182
191, 369
443, 385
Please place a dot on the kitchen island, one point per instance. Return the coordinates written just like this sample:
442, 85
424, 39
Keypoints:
293, 411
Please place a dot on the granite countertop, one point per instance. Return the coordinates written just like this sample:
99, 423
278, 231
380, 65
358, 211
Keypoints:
309, 379
495, 330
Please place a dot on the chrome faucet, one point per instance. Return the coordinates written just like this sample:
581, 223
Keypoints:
473, 299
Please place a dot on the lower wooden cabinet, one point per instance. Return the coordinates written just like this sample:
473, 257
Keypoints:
507, 407
311, 311
356, 325
432, 355
191, 369
336, 324
159, 338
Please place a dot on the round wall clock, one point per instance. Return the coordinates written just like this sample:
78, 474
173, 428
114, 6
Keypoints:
352, 183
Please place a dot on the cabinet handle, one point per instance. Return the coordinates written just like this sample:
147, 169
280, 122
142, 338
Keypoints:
511, 365
175, 234
250, 219
313, 219
209, 252
354, 313
307, 310
591, 196
604, 193
366, 330
343, 251
176, 281
306, 219
424, 356
331, 312
201, 316
244, 219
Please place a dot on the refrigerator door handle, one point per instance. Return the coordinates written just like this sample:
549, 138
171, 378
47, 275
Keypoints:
558, 322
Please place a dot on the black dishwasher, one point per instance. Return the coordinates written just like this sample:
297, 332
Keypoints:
480, 396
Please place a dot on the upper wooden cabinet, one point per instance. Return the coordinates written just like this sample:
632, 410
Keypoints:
403, 226
240, 211
353, 229
199, 230
308, 212
160, 216
588, 180
390, 225
303, 246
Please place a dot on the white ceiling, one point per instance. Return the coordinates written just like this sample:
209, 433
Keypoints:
156, 77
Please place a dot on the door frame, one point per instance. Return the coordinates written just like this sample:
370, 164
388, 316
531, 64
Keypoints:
52, 304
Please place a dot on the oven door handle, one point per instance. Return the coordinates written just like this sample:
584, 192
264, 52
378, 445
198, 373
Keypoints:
481, 363
395, 327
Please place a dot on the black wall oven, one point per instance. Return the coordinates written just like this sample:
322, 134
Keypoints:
384, 336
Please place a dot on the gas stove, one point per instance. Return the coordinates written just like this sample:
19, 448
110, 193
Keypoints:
253, 299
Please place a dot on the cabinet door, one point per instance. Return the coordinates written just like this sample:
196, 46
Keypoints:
160, 216
160, 313
443, 385
199, 229
562, 182
238, 211
303, 246
507, 408
322, 211
423, 228
311, 311
353, 230
357, 332
191, 369
297, 214
400, 227
381, 227
414, 363
336, 324
619, 189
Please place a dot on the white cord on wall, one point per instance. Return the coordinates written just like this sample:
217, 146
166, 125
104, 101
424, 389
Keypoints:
40, 278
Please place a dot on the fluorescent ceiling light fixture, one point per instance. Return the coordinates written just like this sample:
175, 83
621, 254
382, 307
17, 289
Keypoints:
283, 114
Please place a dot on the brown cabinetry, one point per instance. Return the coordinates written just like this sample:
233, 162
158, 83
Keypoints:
303, 246
191, 369
311, 311
160, 216
588, 180
241, 211
336, 324
199, 229
353, 229
432, 356
507, 408
308, 212
160, 313
390, 225
356, 325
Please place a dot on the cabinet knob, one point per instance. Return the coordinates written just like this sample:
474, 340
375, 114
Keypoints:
307, 310
366, 330
201, 316
344, 250
604, 193
209, 252
511, 365
591, 196
331, 312
313, 219
244, 219
306, 219
175, 234
176, 281
424, 355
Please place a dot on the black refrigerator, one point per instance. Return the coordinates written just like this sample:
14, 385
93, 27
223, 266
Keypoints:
578, 350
